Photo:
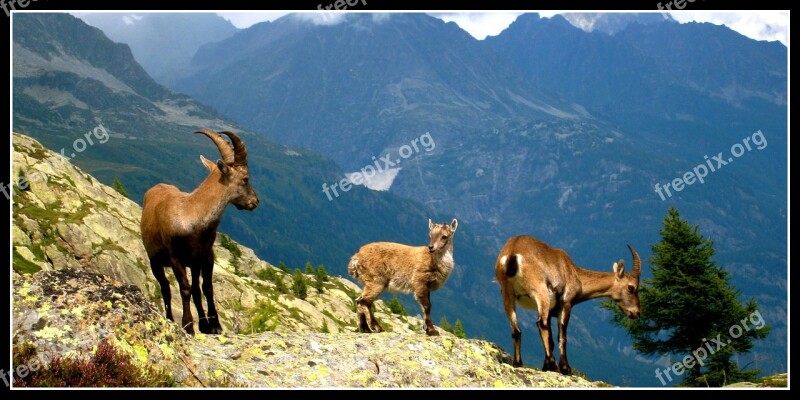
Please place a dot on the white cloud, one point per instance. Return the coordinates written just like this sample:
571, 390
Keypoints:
130, 19
480, 25
244, 20
760, 25
321, 18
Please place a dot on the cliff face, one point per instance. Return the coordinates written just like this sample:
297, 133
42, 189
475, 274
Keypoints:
81, 276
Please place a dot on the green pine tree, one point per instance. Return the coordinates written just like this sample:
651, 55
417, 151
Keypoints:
120, 188
320, 277
396, 307
267, 274
321, 273
299, 285
282, 267
689, 308
458, 330
444, 324
309, 268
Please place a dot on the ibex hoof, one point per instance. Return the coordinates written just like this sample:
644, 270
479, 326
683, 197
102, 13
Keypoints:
516, 364
432, 332
377, 329
566, 370
211, 327
550, 367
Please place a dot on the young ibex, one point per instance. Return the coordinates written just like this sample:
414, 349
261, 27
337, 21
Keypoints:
404, 269
544, 278
178, 229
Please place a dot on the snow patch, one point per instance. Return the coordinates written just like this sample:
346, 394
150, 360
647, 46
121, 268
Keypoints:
381, 181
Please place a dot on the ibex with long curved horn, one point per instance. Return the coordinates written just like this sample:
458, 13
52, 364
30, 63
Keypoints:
545, 279
179, 229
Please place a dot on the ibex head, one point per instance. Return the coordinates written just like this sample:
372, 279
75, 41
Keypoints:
625, 291
233, 168
441, 235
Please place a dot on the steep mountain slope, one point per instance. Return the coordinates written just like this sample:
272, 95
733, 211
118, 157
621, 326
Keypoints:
353, 89
179, 37
80, 277
682, 86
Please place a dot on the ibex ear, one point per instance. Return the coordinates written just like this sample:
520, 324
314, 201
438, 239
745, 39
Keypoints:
454, 225
223, 167
207, 163
430, 224
619, 269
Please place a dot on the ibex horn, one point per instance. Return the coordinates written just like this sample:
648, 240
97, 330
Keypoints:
239, 150
224, 147
637, 262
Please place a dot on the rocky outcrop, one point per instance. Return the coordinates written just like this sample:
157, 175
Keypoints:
69, 311
777, 380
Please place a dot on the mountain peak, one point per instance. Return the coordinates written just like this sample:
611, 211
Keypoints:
612, 23
180, 35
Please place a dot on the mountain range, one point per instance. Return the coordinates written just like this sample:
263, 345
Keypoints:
179, 36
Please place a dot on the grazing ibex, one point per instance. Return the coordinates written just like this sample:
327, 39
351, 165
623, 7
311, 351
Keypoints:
543, 278
178, 229
404, 269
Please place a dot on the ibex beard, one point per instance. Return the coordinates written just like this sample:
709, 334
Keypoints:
404, 269
179, 229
